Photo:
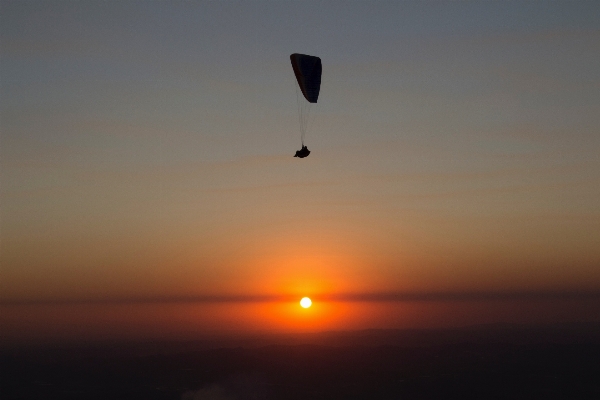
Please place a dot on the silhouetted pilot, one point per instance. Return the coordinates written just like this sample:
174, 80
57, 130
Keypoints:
304, 152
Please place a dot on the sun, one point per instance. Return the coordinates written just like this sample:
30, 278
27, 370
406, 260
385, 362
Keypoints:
305, 302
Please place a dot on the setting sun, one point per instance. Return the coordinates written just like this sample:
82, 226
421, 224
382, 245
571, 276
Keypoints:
305, 302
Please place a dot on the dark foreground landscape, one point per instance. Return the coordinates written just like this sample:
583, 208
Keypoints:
489, 362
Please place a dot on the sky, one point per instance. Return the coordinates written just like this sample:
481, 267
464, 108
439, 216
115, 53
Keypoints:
148, 187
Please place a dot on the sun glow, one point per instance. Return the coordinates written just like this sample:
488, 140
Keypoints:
305, 302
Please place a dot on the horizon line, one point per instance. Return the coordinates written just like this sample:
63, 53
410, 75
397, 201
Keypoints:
383, 297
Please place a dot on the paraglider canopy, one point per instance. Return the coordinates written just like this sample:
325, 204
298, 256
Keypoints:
308, 71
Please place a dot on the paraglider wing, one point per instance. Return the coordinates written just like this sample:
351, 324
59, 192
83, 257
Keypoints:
308, 74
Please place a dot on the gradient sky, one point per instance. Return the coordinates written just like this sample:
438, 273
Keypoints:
148, 185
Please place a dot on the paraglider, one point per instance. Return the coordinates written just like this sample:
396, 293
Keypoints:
304, 152
307, 70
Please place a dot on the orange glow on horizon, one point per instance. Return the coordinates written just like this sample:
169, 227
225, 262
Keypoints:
292, 266
195, 320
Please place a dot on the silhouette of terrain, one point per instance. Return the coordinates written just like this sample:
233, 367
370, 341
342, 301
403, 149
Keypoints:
493, 362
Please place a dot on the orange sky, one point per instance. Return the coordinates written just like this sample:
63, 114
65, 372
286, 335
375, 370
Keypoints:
148, 186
